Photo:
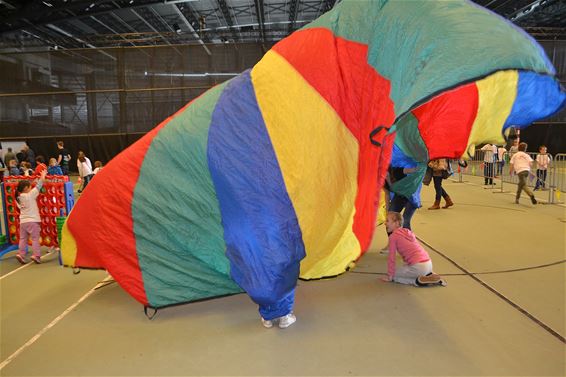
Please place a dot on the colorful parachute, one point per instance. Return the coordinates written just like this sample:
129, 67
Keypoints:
277, 175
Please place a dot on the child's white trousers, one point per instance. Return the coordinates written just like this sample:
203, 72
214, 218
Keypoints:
408, 274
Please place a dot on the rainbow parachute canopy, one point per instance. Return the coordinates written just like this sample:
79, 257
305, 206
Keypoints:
278, 178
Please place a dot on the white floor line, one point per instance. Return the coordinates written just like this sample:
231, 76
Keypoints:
22, 267
50, 325
16, 270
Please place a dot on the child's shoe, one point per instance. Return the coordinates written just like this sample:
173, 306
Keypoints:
287, 320
533, 200
36, 259
21, 259
442, 282
266, 323
429, 279
385, 250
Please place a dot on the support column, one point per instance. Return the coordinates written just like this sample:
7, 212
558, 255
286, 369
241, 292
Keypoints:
122, 107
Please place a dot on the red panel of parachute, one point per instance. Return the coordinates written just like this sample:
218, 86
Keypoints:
449, 116
113, 220
99, 253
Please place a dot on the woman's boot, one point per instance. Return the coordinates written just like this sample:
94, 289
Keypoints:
436, 205
449, 202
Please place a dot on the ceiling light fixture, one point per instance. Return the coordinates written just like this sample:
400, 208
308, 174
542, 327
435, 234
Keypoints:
206, 74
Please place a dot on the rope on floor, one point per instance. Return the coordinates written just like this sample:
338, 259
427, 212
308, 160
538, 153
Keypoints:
105, 283
480, 273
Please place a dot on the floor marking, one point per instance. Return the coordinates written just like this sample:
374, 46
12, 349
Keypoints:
14, 271
492, 206
22, 267
50, 325
500, 295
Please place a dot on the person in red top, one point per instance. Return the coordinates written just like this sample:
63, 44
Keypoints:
417, 269
40, 165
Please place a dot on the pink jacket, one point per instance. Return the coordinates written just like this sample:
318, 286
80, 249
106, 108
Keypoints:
404, 242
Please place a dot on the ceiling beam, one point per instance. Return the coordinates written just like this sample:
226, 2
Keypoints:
46, 15
57, 38
154, 29
44, 11
7, 4
538, 9
227, 17
44, 37
552, 15
66, 33
158, 16
328, 4
121, 21
190, 16
114, 31
293, 11
260, 18
547, 33
191, 28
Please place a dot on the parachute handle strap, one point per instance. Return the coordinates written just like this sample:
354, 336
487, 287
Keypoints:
146, 310
374, 133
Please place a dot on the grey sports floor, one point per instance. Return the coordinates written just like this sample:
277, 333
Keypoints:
486, 322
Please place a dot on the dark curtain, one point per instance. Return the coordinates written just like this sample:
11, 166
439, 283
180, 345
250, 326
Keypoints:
551, 135
105, 108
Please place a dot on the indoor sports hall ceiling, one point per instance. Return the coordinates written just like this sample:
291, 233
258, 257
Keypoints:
67, 24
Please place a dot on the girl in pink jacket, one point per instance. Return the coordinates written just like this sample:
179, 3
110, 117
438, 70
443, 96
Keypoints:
417, 269
30, 220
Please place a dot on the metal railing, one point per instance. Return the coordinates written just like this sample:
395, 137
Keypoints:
557, 178
495, 172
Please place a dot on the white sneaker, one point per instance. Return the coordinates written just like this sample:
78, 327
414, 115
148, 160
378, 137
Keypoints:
266, 323
287, 320
385, 250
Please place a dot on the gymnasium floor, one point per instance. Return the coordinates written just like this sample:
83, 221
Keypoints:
482, 324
